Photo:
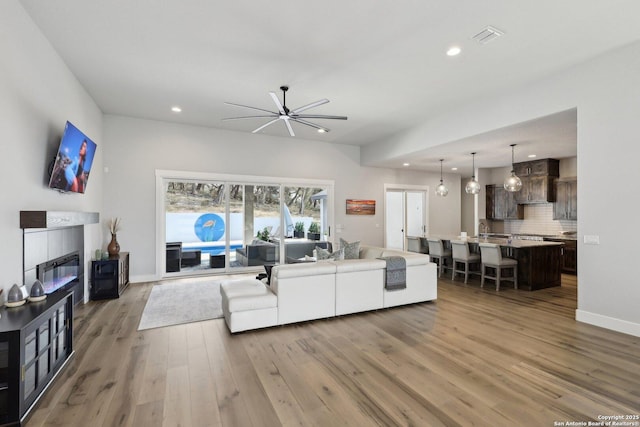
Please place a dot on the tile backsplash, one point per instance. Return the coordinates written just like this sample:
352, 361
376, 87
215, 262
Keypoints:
538, 219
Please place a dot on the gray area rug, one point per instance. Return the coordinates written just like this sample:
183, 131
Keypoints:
175, 303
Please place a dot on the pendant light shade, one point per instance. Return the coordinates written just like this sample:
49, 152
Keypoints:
441, 190
512, 183
473, 186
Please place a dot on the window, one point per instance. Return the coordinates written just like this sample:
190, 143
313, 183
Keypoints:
210, 223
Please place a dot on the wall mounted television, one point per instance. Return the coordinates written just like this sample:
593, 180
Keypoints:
72, 165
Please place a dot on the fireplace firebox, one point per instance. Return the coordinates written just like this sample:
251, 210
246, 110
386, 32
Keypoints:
62, 273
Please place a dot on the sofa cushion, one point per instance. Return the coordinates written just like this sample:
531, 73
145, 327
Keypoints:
351, 250
302, 269
370, 252
410, 258
352, 265
300, 260
240, 287
252, 302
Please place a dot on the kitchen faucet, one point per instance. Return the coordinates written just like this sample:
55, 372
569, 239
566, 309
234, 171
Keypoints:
484, 229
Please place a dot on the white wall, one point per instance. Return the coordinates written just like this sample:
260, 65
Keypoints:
606, 93
136, 148
38, 94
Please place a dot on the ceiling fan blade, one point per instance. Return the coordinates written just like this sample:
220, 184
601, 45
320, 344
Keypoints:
265, 125
313, 125
253, 108
277, 102
286, 121
248, 117
313, 104
319, 116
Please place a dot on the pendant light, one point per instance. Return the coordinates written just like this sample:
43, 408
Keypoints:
512, 183
473, 186
441, 190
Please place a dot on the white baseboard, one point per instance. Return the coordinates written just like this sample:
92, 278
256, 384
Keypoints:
607, 322
144, 278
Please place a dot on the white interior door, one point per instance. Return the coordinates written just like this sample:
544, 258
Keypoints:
394, 220
415, 205
405, 216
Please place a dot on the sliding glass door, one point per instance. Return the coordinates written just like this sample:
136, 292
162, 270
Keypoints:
257, 224
196, 232
210, 225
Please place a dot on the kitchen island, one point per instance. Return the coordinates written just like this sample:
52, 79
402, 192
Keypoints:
539, 262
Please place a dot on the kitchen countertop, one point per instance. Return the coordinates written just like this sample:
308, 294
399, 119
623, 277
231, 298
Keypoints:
515, 243
544, 236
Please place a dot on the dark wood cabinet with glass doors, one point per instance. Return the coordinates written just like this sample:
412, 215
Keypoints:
36, 340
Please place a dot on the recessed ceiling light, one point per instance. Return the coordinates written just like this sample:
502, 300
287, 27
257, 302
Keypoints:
453, 51
405, 164
531, 156
321, 130
176, 109
454, 169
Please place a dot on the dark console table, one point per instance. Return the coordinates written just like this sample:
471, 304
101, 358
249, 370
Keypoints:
110, 277
36, 340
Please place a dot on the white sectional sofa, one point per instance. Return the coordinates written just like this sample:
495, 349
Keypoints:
322, 289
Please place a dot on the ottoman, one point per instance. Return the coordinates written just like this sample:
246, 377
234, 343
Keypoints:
248, 304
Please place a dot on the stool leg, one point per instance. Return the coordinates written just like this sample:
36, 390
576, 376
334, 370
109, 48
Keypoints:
515, 277
466, 271
498, 273
482, 275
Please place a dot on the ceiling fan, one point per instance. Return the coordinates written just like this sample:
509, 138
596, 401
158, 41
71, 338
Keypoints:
287, 115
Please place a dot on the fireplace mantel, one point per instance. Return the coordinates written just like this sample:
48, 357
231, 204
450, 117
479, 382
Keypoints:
56, 219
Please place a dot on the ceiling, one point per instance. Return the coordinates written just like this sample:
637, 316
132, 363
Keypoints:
382, 65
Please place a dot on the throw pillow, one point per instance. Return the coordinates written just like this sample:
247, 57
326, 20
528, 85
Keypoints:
322, 254
351, 250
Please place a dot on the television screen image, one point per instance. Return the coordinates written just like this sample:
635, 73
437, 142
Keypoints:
72, 164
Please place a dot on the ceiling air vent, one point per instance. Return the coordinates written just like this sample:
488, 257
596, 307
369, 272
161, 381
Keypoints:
488, 34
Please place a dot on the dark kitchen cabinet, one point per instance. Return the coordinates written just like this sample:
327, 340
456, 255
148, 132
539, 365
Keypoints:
569, 255
538, 266
35, 343
109, 278
501, 204
537, 180
566, 204
544, 167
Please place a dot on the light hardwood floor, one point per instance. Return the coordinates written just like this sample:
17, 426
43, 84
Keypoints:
474, 357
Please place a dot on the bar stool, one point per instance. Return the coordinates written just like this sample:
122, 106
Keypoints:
439, 254
492, 257
461, 255
424, 245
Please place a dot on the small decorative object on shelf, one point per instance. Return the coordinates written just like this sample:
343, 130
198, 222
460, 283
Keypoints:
114, 246
37, 292
15, 297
